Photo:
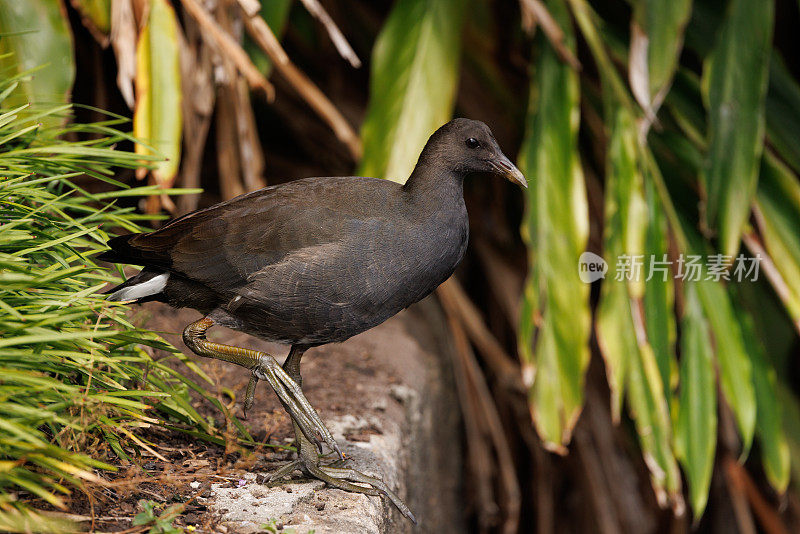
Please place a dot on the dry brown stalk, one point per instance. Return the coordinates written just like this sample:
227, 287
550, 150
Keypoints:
229, 48
477, 398
535, 10
315, 98
336, 35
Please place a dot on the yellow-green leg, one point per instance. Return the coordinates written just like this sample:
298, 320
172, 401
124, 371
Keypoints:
308, 461
264, 367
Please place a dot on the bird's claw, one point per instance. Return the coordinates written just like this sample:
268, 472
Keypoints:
249, 397
342, 478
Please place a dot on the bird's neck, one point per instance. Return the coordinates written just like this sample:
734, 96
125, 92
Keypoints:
432, 182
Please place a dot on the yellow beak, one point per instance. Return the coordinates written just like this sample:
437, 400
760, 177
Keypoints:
508, 170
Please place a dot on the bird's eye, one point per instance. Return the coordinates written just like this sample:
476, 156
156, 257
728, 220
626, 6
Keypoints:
473, 143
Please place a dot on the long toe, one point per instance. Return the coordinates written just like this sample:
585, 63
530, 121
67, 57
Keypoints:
284, 470
345, 473
315, 471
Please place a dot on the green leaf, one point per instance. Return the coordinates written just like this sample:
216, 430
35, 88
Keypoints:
734, 85
783, 112
624, 233
769, 425
696, 417
412, 84
555, 318
790, 405
646, 397
735, 367
621, 332
778, 216
658, 27
777, 203
36, 33
617, 350
648, 406
659, 297
157, 120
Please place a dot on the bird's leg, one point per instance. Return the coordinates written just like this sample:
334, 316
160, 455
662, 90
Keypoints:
264, 367
308, 462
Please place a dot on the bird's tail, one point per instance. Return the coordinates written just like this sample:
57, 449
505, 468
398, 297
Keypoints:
145, 286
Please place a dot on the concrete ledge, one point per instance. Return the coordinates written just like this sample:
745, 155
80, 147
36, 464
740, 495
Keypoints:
309, 506
387, 396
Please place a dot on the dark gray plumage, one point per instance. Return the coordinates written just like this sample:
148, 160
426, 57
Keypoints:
319, 260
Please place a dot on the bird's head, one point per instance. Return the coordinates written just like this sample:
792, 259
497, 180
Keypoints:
467, 146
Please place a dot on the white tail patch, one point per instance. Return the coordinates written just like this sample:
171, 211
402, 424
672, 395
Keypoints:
144, 289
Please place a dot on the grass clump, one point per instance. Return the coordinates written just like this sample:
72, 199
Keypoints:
75, 377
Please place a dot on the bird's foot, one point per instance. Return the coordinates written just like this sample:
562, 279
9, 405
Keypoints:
292, 398
340, 477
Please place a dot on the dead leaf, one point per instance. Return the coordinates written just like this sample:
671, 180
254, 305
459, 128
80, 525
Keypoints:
123, 41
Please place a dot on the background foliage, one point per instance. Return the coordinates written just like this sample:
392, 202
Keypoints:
645, 127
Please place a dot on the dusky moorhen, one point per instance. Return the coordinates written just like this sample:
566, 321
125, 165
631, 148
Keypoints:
311, 262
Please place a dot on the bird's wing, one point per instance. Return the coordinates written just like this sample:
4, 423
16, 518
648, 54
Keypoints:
224, 245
